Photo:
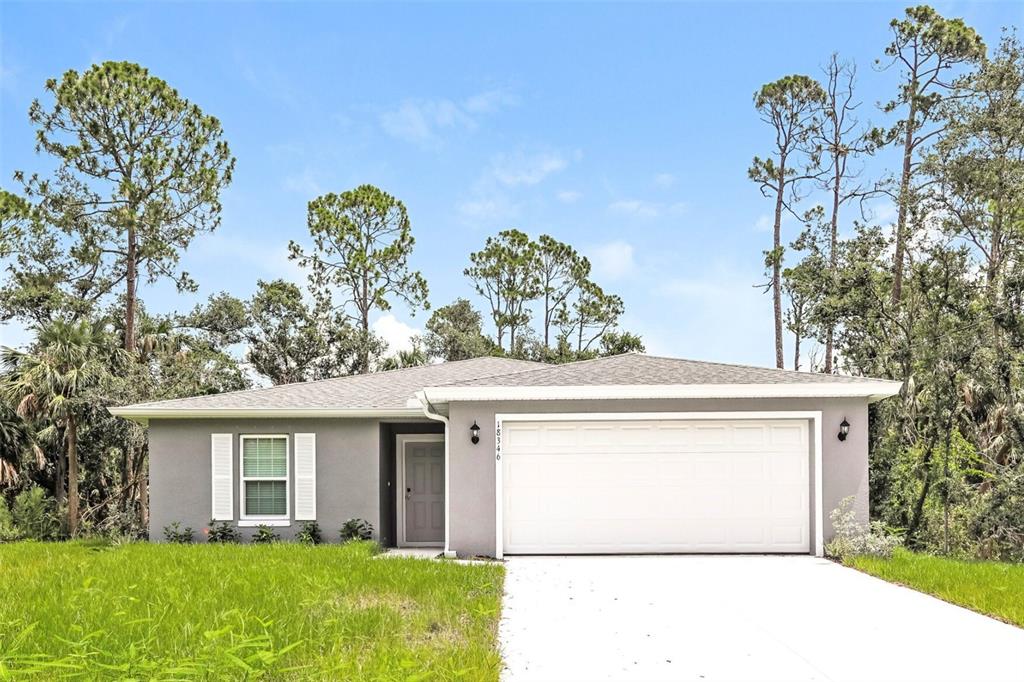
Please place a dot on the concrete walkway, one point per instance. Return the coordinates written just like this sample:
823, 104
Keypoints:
738, 618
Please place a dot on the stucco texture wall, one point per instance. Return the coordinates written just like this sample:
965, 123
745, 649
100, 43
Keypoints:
347, 459
472, 475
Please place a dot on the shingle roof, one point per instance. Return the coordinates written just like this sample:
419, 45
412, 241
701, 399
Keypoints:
633, 369
393, 390
383, 390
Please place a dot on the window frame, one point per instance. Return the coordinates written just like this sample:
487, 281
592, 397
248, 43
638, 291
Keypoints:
253, 519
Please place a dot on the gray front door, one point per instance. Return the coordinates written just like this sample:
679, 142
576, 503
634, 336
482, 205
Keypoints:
424, 492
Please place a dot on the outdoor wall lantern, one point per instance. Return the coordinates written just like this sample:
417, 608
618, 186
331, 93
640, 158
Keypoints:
844, 429
474, 430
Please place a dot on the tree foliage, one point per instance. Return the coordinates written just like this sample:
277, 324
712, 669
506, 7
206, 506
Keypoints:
934, 300
362, 242
141, 170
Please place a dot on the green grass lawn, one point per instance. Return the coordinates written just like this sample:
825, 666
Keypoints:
989, 587
283, 611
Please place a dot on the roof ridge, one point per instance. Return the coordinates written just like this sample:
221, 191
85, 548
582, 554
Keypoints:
543, 365
745, 366
266, 389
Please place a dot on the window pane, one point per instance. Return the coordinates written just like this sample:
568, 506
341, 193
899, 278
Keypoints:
265, 498
264, 457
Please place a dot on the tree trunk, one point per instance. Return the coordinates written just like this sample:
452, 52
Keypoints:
777, 267
547, 317
143, 480
833, 258
364, 312
904, 201
60, 477
918, 512
945, 484
796, 352
72, 438
131, 279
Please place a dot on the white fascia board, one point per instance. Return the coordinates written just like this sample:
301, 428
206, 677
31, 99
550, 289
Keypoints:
872, 390
146, 413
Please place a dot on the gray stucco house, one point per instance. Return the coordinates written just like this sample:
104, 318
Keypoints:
492, 456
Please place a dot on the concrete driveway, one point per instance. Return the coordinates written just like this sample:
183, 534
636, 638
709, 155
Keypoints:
737, 618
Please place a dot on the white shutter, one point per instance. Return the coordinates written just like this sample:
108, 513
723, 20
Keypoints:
222, 463
305, 476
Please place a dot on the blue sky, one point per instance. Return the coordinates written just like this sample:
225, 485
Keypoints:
625, 130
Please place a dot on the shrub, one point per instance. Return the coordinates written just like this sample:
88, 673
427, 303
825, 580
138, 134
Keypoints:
35, 514
309, 534
8, 531
356, 529
224, 531
264, 535
853, 538
174, 533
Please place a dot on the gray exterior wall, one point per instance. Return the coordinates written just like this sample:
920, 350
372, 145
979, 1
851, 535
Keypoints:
348, 482
355, 463
472, 480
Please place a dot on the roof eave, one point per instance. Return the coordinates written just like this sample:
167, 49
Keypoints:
870, 390
143, 414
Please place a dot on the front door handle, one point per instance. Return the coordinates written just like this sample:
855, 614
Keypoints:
408, 493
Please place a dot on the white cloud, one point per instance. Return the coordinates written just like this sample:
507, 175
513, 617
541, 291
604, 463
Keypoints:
569, 196
262, 259
764, 223
426, 121
634, 207
396, 333
303, 183
423, 121
490, 101
517, 169
664, 179
487, 208
638, 208
613, 260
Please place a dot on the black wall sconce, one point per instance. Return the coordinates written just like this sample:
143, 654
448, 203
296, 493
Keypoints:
844, 429
474, 431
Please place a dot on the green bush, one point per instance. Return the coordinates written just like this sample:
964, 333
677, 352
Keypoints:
265, 535
310, 533
8, 531
224, 531
175, 534
356, 529
35, 514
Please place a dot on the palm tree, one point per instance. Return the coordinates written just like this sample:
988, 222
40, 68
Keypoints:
17, 440
405, 358
57, 383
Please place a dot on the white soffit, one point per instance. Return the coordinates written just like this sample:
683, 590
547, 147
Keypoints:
872, 390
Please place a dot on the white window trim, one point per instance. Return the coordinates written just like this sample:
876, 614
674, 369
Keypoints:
813, 416
250, 520
402, 440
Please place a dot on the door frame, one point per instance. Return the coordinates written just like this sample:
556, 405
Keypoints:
812, 416
401, 440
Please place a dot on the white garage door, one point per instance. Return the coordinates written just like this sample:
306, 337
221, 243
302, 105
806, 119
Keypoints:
593, 487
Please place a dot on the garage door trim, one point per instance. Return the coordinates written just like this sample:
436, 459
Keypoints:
814, 417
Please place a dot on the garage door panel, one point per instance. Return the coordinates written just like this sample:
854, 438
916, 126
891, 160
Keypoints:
656, 486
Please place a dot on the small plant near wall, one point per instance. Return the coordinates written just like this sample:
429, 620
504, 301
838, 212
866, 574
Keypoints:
857, 539
222, 532
265, 535
356, 529
175, 534
310, 533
